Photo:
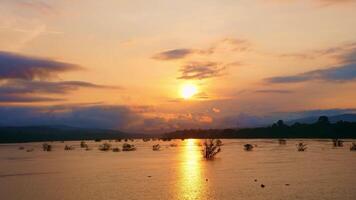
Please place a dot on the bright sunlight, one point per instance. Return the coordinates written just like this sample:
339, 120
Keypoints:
188, 91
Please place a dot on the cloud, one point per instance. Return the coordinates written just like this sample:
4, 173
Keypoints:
274, 91
25, 87
22, 77
345, 71
17, 98
340, 52
232, 44
174, 54
201, 70
15, 91
339, 74
16, 66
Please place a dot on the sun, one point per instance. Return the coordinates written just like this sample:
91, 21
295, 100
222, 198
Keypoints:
188, 91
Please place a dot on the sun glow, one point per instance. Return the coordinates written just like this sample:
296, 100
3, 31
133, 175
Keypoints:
188, 91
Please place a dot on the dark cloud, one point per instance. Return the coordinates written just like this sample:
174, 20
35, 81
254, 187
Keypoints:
338, 74
18, 98
201, 70
274, 91
25, 87
15, 91
24, 78
16, 66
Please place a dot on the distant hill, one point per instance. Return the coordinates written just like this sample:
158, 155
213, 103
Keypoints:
333, 119
58, 133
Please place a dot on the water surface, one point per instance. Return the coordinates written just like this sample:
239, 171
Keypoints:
322, 172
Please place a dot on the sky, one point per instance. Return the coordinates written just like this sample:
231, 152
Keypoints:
122, 64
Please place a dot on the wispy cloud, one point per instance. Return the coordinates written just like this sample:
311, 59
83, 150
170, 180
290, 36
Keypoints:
338, 74
201, 70
27, 87
178, 54
274, 91
231, 44
338, 52
20, 98
345, 71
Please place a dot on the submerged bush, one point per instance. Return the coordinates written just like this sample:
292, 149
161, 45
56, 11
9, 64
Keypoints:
21, 148
156, 147
353, 147
83, 144
248, 147
30, 150
173, 145
338, 143
211, 148
46, 147
128, 147
105, 147
219, 142
146, 139
301, 146
282, 141
68, 148
116, 149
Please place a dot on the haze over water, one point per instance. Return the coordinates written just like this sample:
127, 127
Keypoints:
321, 172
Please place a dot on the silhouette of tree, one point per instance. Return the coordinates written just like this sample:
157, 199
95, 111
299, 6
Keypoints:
323, 120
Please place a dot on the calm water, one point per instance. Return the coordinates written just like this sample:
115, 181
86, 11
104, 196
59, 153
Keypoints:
322, 172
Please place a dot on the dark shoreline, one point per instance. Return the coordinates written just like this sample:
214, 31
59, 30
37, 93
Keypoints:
321, 129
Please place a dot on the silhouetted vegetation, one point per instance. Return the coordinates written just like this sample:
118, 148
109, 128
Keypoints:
83, 144
116, 149
68, 148
248, 147
282, 141
46, 147
338, 143
156, 147
219, 142
105, 147
322, 128
128, 147
301, 146
353, 147
211, 148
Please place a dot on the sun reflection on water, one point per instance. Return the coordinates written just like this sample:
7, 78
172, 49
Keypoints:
190, 169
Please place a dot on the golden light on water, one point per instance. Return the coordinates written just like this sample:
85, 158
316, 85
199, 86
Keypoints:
188, 90
190, 169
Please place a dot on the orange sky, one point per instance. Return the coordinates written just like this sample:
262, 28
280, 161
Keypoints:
246, 57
